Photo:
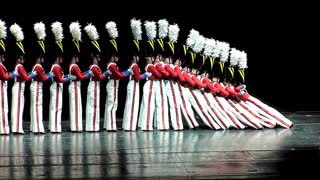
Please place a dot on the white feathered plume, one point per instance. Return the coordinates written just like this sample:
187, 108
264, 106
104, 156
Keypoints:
75, 30
112, 29
174, 33
235, 56
210, 44
224, 51
151, 29
3, 30
57, 30
91, 30
16, 31
40, 30
192, 37
199, 44
136, 29
163, 28
243, 60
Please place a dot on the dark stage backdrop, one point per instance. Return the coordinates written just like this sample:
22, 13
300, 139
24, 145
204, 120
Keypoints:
280, 70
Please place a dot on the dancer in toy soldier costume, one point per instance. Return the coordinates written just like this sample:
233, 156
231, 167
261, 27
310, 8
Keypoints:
113, 84
75, 102
93, 91
130, 116
19, 84
4, 77
36, 92
56, 88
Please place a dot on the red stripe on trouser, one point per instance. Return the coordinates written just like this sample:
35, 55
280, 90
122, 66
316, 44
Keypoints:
201, 109
132, 104
234, 121
148, 109
2, 108
255, 125
214, 111
175, 104
18, 111
94, 104
287, 125
114, 100
37, 110
57, 106
185, 106
76, 103
162, 107
246, 108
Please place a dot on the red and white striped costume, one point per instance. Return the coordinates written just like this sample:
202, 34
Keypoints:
147, 107
36, 100
56, 91
4, 123
18, 98
111, 104
75, 105
93, 99
131, 109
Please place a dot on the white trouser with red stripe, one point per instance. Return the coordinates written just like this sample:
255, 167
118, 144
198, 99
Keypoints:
174, 104
93, 106
234, 122
75, 106
270, 112
147, 106
161, 108
131, 109
17, 107
215, 113
111, 105
55, 107
199, 104
186, 108
36, 103
4, 123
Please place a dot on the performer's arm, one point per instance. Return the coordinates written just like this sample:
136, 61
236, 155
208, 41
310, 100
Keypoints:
80, 76
4, 75
136, 72
96, 73
172, 73
180, 75
154, 72
40, 73
22, 74
163, 72
198, 83
58, 76
188, 79
114, 70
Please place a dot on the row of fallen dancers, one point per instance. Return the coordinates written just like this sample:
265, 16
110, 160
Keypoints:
184, 83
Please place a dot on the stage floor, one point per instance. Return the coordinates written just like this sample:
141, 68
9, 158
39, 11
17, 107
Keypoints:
187, 154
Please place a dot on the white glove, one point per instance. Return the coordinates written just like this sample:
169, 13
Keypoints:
148, 74
34, 72
109, 72
131, 71
73, 77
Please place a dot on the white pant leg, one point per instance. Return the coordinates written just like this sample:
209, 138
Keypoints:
174, 106
93, 106
17, 107
161, 108
130, 115
4, 123
36, 104
147, 106
55, 107
186, 108
111, 105
75, 106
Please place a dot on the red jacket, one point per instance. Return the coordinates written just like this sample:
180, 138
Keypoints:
75, 70
172, 73
189, 83
96, 73
198, 85
179, 77
209, 85
155, 73
223, 92
58, 73
116, 74
4, 75
163, 72
136, 72
41, 75
21, 73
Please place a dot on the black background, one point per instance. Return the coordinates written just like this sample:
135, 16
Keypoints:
280, 40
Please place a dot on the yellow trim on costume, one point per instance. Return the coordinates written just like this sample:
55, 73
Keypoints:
171, 45
20, 45
96, 44
185, 48
221, 66
231, 69
41, 43
2, 45
193, 56
204, 59
114, 43
77, 44
151, 44
242, 74
136, 42
160, 41
211, 62
60, 45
